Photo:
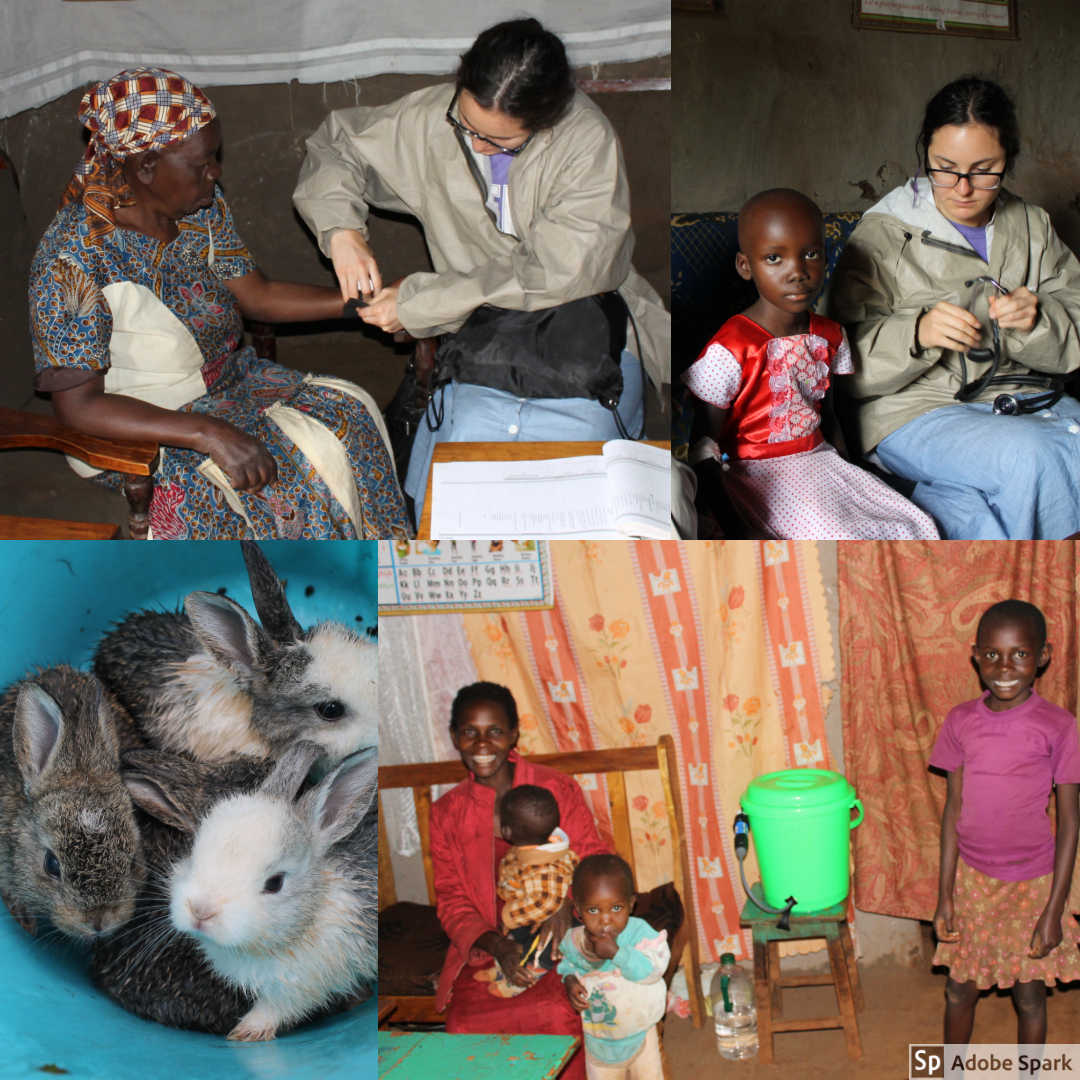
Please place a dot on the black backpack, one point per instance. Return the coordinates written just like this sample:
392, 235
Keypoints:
569, 351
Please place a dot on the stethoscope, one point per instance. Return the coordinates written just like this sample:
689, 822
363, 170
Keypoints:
1004, 404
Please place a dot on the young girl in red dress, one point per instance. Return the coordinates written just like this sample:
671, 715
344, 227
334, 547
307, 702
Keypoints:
763, 377
1002, 917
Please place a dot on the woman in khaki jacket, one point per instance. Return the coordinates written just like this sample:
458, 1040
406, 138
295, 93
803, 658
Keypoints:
903, 288
519, 183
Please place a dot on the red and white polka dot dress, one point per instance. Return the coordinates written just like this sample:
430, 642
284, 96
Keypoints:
785, 480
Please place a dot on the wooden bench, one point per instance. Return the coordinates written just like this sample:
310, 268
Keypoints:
613, 764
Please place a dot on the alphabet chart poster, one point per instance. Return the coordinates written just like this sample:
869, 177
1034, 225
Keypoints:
417, 576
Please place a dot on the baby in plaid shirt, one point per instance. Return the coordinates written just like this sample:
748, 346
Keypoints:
534, 875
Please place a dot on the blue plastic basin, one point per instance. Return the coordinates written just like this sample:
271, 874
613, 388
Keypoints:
56, 599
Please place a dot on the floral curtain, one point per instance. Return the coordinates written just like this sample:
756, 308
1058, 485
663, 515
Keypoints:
724, 646
908, 613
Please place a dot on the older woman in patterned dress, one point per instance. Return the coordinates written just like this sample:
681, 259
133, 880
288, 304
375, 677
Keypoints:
136, 294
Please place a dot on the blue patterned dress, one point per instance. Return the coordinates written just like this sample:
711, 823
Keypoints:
72, 327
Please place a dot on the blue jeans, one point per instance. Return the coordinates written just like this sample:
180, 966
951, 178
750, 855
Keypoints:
478, 414
987, 477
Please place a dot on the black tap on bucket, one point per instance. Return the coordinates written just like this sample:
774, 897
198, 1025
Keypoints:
742, 846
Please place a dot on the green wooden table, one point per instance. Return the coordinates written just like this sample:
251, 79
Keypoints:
434, 1055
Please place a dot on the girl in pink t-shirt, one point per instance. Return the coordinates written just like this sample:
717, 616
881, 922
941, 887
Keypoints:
1001, 917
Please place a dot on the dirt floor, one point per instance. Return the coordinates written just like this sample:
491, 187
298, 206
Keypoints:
903, 1005
39, 483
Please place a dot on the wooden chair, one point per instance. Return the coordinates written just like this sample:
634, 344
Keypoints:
22, 429
613, 764
134, 459
25, 528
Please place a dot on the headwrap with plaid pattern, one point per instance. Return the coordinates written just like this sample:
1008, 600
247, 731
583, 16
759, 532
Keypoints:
138, 110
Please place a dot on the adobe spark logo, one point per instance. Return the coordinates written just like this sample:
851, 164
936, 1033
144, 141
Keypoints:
926, 1061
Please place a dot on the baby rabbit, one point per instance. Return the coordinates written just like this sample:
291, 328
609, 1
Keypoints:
281, 896
214, 683
69, 845
147, 967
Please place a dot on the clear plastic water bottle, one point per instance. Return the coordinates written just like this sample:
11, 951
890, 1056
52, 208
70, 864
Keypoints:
734, 1012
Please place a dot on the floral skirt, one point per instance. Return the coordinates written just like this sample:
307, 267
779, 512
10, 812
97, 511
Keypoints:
186, 504
996, 920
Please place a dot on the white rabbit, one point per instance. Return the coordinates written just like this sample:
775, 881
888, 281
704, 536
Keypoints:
281, 895
213, 683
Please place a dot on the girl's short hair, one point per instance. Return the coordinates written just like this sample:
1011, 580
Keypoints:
520, 69
972, 100
484, 691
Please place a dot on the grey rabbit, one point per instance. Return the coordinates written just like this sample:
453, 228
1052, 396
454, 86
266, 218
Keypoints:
279, 893
148, 968
212, 682
69, 844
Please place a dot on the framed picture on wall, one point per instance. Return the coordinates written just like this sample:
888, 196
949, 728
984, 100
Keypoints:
971, 18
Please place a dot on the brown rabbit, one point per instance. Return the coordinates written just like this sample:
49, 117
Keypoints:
69, 846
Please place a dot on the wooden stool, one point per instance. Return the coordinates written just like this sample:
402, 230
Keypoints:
830, 924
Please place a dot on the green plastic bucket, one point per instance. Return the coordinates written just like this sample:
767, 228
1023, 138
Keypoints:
800, 821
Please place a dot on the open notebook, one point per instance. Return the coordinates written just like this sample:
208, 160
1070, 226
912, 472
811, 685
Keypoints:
626, 491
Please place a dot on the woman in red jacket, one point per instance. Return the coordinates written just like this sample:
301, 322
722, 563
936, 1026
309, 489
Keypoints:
466, 848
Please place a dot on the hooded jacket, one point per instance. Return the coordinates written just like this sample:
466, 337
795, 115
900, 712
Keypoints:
462, 846
569, 202
894, 268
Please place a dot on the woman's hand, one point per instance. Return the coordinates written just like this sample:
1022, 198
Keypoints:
557, 925
381, 310
1047, 935
579, 1000
1016, 310
946, 326
508, 953
354, 265
247, 463
943, 922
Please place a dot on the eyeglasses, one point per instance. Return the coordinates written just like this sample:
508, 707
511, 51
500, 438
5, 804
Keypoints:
469, 133
946, 178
